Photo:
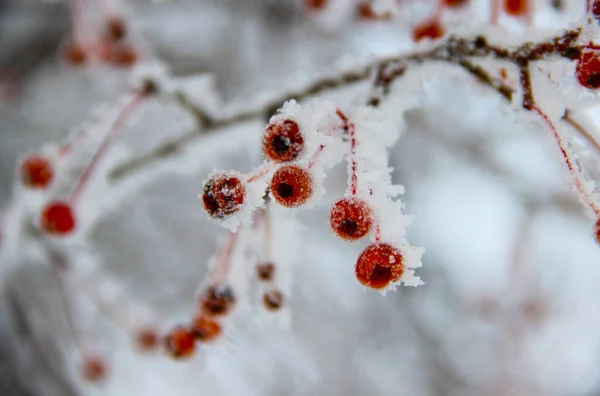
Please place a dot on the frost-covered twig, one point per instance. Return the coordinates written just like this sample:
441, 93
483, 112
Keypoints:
454, 50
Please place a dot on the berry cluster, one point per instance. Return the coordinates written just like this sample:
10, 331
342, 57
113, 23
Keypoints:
294, 147
57, 177
105, 44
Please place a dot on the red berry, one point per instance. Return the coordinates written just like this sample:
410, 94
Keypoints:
431, 30
147, 339
75, 54
291, 185
116, 29
516, 7
94, 369
206, 329
36, 172
587, 69
217, 300
273, 300
316, 4
283, 141
223, 195
597, 231
180, 342
366, 11
379, 265
351, 218
596, 9
123, 55
58, 218
455, 3
265, 271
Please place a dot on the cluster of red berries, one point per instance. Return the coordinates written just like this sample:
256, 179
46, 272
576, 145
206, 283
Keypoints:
380, 264
113, 47
37, 172
291, 185
216, 302
273, 298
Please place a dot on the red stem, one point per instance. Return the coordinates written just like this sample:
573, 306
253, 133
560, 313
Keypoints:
313, 159
116, 128
351, 130
261, 172
569, 161
224, 261
495, 12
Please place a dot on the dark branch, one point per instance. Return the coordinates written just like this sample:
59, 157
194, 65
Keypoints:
454, 50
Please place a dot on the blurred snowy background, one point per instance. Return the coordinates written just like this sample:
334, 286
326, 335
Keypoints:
509, 305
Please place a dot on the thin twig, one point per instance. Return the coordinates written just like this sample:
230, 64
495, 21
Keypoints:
454, 50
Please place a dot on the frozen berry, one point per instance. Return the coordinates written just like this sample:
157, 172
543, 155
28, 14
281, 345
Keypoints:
291, 185
587, 69
431, 30
597, 231
379, 265
351, 218
283, 141
206, 329
265, 271
58, 218
116, 29
147, 339
217, 300
596, 9
123, 55
273, 300
223, 195
516, 7
366, 11
36, 172
180, 342
455, 3
316, 4
74, 54
94, 369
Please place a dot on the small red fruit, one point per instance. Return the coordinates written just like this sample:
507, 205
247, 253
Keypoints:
351, 218
223, 195
75, 54
455, 3
217, 300
379, 265
516, 7
273, 300
94, 369
116, 29
206, 329
36, 172
597, 231
596, 9
283, 141
316, 4
180, 342
587, 69
58, 218
431, 30
123, 55
291, 185
265, 271
147, 339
